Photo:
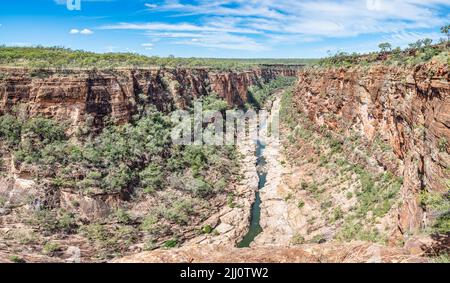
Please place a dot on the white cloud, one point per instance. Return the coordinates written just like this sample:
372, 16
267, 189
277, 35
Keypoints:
225, 41
86, 31
317, 17
262, 24
156, 26
148, 46
83, 31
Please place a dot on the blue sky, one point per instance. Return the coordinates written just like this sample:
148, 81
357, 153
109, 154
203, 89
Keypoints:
222, 28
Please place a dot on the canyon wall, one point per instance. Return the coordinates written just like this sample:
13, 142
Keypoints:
73, 95
407, 109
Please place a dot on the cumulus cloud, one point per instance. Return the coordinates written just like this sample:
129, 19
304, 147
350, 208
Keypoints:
83, 31
86, 31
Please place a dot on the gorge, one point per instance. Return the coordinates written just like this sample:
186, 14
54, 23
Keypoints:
361, 165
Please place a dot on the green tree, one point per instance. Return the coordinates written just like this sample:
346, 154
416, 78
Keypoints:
427, 42
446, 30
385, 47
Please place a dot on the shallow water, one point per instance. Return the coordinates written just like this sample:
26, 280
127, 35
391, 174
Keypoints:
255, 227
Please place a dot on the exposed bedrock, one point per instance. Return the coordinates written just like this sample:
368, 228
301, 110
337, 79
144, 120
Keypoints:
408, 109
74, 95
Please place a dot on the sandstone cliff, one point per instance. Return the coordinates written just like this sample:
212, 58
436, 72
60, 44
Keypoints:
407, 109
73, 95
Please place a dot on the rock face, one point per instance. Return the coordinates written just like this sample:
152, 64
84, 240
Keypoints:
409, 109
75, 95
358, 252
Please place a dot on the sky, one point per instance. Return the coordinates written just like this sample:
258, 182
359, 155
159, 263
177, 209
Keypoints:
222, 28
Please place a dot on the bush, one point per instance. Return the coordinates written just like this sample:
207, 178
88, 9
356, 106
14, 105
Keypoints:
16, 259
55, 221
50, 247
207, 229
45, 130
170, 244
438, 205
297, 240
179, 212
151, 178
123, 217
10, 130
200, 188
213, 103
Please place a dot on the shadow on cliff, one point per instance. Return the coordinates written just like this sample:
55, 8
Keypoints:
441, 245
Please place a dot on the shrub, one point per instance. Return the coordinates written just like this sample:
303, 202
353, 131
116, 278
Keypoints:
10, 130
170, 244
50, 248
199, 187
148, 224
297, 240
123, 217
45, 130
318, 239
213, 103
207, 229
443, 144
230, 201
338, 214
16, 259
438, 205
178, 212
151, 178
55, 221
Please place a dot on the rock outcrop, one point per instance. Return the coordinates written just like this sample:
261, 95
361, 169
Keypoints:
358, 252
408, 109
75, 95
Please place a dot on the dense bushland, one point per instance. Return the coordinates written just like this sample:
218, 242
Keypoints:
417, 52
58, 57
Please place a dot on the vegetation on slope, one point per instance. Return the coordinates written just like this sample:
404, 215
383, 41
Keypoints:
137, 162
423, 50
342, 200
